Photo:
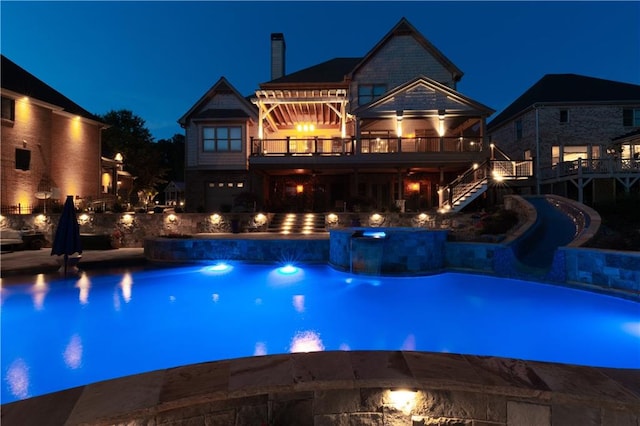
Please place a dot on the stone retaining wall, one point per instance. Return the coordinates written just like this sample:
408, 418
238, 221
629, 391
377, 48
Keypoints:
349, 388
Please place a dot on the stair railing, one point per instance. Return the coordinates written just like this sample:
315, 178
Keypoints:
462, 185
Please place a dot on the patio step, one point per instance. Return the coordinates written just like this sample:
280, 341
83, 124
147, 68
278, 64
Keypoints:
297, 223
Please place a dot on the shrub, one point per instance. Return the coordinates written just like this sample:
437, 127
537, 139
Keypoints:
499, 222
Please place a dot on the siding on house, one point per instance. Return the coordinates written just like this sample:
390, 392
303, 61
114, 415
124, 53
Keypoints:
400, 60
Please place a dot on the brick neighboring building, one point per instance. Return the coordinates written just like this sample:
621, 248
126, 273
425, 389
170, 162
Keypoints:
571, 125
51, 147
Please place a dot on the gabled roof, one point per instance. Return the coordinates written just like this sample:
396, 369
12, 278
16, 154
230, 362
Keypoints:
403, 27
569, 89
221, 86
16, 79
450, 96
332, 71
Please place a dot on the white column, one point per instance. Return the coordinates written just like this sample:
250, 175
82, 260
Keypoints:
343, 119
260, 120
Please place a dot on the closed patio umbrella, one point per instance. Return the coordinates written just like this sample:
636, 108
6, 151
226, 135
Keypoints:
67, 239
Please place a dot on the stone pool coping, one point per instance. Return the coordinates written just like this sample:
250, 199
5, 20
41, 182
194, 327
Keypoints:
342, 387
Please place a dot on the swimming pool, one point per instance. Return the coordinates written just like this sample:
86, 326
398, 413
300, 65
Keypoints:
58, 334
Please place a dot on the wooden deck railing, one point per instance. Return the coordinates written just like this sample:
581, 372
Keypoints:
349, 146
601, 166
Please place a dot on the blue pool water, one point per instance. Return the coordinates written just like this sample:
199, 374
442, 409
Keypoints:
58, 334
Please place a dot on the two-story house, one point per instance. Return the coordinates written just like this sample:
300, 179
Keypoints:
50, 146
581, 132
385, 130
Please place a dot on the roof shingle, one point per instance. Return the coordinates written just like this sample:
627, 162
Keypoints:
17, 79
568, 89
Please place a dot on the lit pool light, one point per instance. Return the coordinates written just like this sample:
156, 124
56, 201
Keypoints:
288, 270
219, 267
374, 234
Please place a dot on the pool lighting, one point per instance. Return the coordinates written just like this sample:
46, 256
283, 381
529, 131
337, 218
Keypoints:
374, 234
403, 400
288, 269
219, 267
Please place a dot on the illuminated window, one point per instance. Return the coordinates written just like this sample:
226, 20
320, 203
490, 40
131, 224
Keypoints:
370, 92
555, 155
564, 115
222, 139
8, 109
572, 153
631, 117
23, 159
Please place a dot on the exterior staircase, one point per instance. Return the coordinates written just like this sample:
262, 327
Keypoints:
466, 188
297, 223
475, 181
464, 194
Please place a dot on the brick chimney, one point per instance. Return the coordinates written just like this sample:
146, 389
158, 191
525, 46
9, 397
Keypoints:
277, 55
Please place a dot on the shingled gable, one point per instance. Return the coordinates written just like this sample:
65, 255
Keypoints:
16, 79
569, 89
332, 71
452, 99
221, 86
403, 27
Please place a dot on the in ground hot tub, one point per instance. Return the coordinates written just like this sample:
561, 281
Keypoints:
387, 251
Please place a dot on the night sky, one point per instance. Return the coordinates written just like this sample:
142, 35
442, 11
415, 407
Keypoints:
158, 58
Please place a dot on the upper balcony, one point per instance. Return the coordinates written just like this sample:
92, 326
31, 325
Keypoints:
388, 151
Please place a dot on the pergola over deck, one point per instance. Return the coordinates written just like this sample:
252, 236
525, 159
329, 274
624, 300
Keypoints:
291, 109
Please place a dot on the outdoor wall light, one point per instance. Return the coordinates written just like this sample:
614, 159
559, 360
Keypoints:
423, 217
127, 219
300, 189
83, 218
215, 219
260, 219
403, 400
475, 166
332, 219
376, 219
172, 218
41, 219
